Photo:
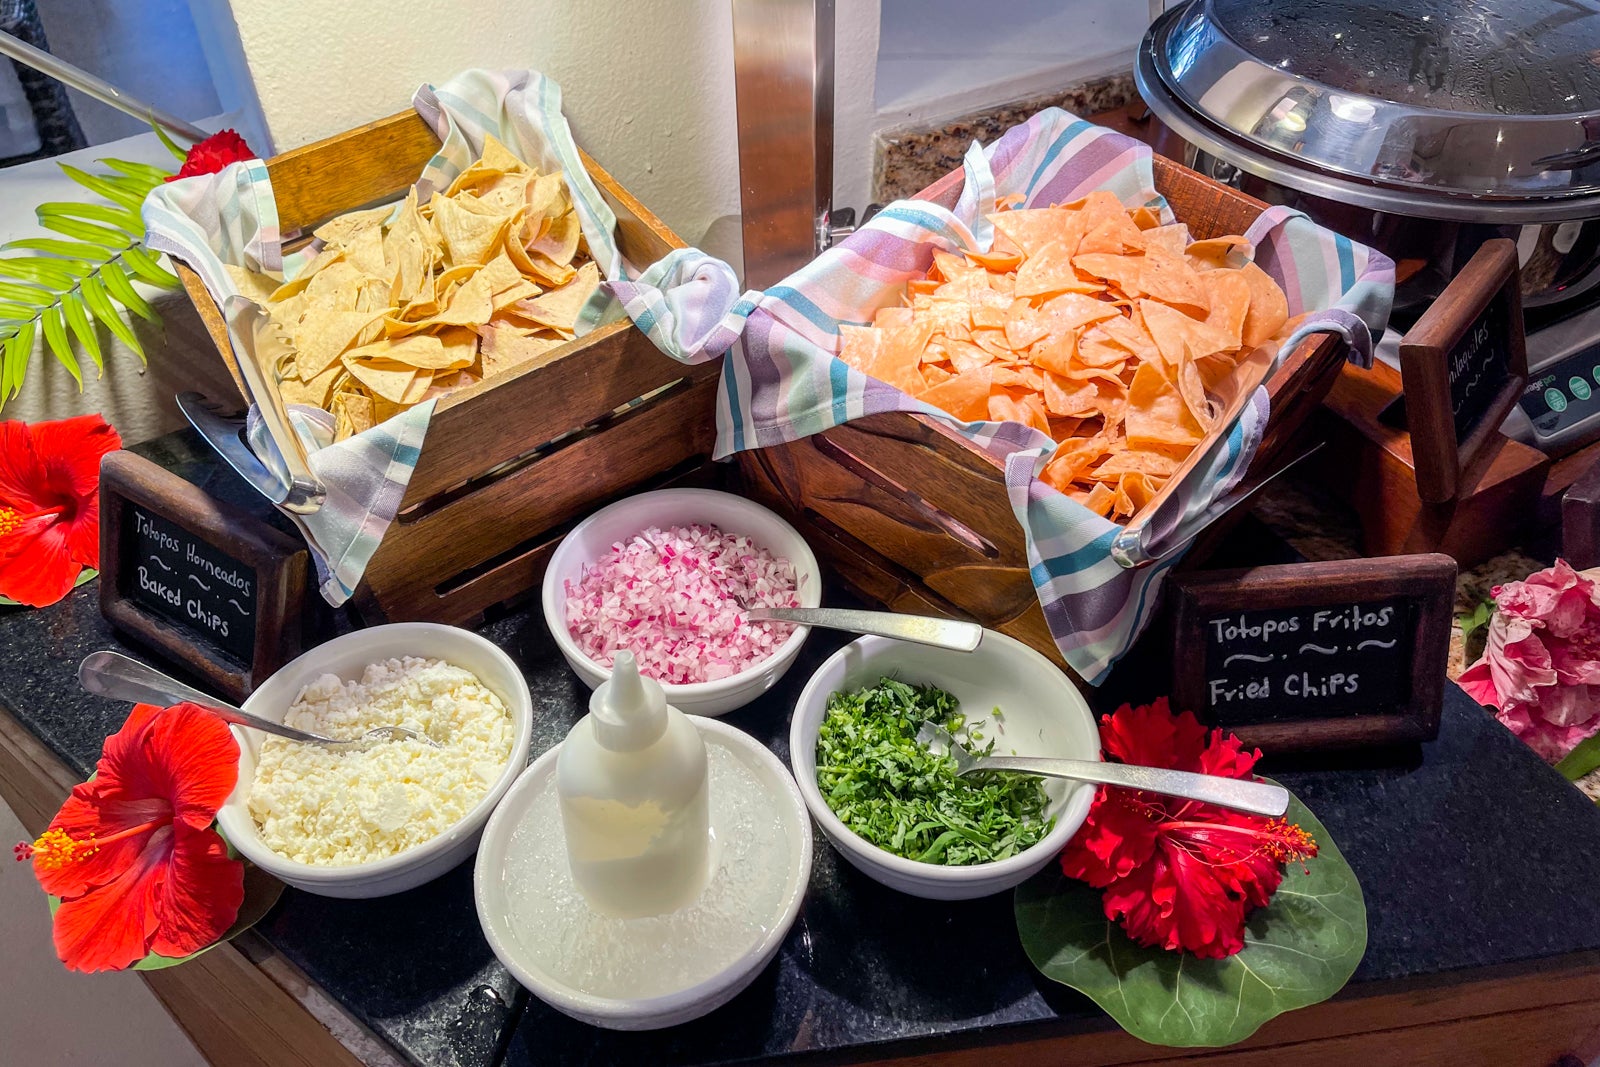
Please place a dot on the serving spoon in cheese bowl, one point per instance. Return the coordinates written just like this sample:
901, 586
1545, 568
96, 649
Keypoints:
119, 677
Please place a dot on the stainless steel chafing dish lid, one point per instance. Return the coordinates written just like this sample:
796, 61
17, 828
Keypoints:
1480, 110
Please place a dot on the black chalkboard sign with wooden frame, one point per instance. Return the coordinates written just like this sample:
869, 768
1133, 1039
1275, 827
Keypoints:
218, 591
1464, 365
1309, 656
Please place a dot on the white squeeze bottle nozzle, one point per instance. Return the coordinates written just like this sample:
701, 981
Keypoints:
631, 778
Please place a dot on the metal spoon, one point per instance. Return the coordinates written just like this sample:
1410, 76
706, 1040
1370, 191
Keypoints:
119, 677
922, 629
1259, 798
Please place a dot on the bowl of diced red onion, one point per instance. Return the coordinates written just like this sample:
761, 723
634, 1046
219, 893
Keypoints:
669, 575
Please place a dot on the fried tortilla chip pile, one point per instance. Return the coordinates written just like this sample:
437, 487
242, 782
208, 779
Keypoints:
395, 311
1089, 322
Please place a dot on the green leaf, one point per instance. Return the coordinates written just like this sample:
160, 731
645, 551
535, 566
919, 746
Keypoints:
54, 274
16, 313
73, 250
1582, 760
88, 574
118, 285
1299, 950
55, 336
165, 138
100, 306
111, 188
148, 267
123, 219
14, 365
72, 310
26, 295
144, 173
115, 240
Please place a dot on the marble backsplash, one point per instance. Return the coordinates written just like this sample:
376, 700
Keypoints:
910, 158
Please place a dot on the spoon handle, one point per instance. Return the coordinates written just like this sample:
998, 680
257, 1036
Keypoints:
922, 629
119, 677
1260, 798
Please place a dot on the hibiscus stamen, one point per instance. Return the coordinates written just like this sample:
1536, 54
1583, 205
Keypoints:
1284, 841
56, 848
10, 519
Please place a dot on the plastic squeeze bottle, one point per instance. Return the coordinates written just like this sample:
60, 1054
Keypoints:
631, 778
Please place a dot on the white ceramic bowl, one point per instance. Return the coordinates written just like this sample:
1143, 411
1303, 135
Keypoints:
347, 657
595, 535
1044, 715
646, 1013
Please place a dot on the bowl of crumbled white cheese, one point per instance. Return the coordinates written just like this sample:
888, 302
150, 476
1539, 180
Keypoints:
375, 818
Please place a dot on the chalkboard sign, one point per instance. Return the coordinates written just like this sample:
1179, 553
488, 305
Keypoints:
216, 590
1316, 655
1464, 366
189, 582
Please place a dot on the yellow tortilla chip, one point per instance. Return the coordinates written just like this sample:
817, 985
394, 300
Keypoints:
319, 340
422, 351
258, 287
469, 237
504, 347
385, 377
558, 308
353, 413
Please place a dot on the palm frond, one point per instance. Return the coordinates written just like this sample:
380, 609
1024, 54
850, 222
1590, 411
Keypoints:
65, 288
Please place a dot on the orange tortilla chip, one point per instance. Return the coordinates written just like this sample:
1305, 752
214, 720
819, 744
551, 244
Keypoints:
1269, 308
1099, 326
1157, 414
966, 396
1229, 294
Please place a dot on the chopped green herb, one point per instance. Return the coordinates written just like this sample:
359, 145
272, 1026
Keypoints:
894, 793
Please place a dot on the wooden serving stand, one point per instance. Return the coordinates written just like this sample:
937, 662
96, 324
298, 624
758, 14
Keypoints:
1419, 452
1368, 461
913, 516
510, 462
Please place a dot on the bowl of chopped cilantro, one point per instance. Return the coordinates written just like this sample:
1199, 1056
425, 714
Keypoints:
895, 809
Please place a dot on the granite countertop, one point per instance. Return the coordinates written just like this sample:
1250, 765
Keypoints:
1437, 833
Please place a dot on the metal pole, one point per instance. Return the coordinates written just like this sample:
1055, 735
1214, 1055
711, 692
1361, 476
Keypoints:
86, 83
783, 86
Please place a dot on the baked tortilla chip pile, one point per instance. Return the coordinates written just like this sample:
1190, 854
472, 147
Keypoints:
395, 311
1089, 322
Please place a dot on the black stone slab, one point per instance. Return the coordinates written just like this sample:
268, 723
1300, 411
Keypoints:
1471, 852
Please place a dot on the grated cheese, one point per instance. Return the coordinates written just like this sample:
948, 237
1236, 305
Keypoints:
343, 806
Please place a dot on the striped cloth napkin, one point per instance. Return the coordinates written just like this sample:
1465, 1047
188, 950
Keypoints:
781, 380
231, 217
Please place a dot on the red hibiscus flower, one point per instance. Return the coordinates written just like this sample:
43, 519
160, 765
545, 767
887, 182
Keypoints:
214, 153
50, 505
132, 854
1179, 874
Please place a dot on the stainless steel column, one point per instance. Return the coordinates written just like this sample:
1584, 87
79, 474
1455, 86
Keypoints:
783, 83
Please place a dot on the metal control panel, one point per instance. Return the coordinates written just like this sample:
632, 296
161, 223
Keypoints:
1560, 409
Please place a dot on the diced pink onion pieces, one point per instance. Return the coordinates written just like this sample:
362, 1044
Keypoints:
672, 597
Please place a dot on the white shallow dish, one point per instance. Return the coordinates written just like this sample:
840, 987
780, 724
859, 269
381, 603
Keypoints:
1044, 715
594, 536
644, 1013
347, 657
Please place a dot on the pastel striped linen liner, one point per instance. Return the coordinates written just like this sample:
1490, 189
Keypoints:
781, 380
231, 217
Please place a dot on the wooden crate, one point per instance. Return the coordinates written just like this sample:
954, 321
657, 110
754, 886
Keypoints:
914, 517
510, 463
